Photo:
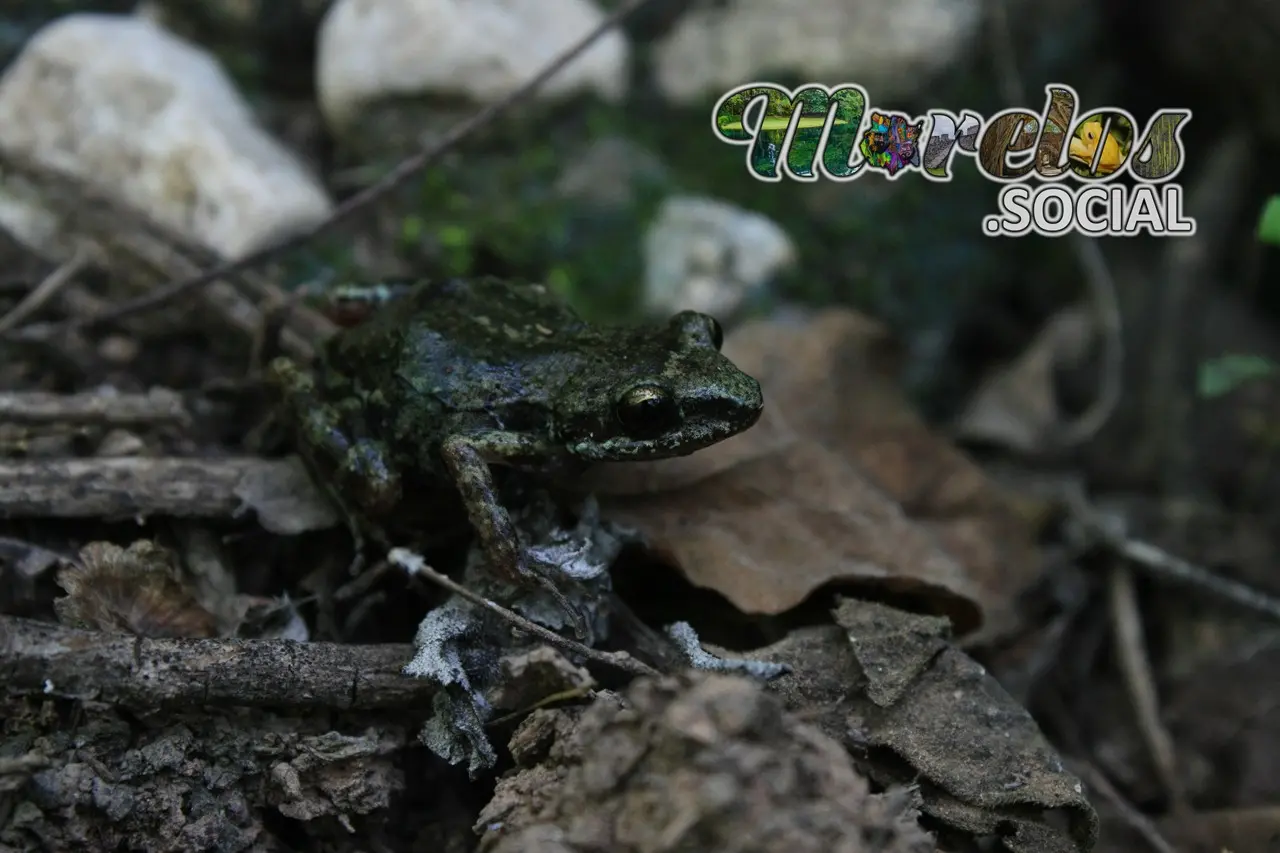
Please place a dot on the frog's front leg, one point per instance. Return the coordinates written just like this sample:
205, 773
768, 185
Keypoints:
341, 465
468, 458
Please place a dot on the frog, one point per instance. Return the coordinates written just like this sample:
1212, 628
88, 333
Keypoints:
444, 381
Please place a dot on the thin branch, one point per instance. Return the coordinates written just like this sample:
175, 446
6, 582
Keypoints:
160, 405
401, 172
1097, 273
279, 490
46, 290
1140, 823
1131, 651
1162, 564
50, 659
415, 565
1102, 287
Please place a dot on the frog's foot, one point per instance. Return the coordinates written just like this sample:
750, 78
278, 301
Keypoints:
567, 557
545, 574
355, 527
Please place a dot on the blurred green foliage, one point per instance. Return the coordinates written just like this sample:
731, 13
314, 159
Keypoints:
1269, 222
1220, 376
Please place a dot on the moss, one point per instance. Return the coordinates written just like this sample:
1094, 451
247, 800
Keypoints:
495, 208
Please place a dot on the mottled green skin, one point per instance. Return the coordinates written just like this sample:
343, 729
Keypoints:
455, 376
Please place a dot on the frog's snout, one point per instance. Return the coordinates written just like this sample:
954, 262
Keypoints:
754, 397
757, 409
731, 410
750, 406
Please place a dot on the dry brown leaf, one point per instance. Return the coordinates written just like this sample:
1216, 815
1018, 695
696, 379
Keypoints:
840, 481
285, 498
135, 590
1017, 407
917, 711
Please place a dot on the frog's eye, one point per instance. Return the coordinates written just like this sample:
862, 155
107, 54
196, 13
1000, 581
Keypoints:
717, 333
647, 411
697, 329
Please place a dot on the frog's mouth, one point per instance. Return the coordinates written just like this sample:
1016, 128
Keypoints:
697, 431
700, 432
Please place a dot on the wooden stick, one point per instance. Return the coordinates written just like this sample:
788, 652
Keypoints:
33, 407
129, 487
47, 658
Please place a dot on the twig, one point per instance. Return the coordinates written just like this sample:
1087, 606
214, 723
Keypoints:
1102, 286
404, 170
415, 565
573, 693
1162, 564
49, 659
158, 406
1131, 651
1166, 565
1097, 273
46, 290
23, 764
177, 487
1096, 779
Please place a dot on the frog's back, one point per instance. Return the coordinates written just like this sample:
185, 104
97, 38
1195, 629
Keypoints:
490, 316
461, 345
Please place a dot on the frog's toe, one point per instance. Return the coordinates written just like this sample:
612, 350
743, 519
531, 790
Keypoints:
545, 574
373, 481
577, 619
567, 560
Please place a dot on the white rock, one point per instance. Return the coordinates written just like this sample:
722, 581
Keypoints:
29, 221
369, 50
142, 115
888, 48
707, 255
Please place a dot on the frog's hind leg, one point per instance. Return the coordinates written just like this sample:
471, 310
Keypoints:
360, 529
354, 473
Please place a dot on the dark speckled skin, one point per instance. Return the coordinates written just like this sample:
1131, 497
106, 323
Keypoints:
455, 376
